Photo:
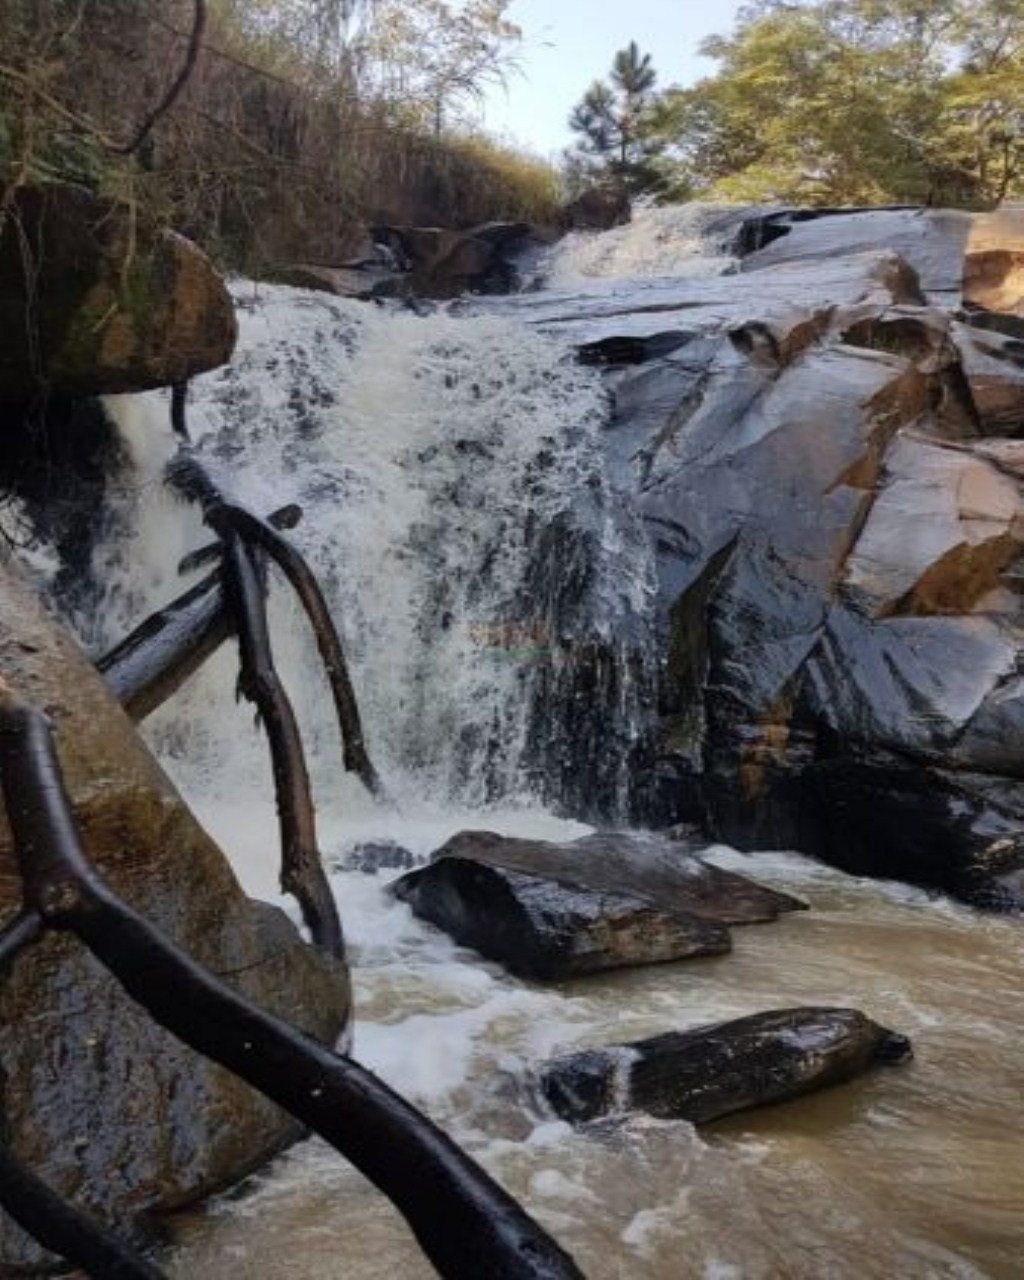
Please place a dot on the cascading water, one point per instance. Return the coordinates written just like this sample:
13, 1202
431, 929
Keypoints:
674, 240
456, 508
495, 598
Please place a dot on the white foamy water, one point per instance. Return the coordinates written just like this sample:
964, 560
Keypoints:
432, 458
912, 1171
672, 240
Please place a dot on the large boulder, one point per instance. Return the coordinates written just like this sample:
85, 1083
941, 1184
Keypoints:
598, 208
708, 1072
549, 931
95, 300
110, 1109
444, 263
663, 872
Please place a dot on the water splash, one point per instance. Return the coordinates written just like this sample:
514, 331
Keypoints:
673, 240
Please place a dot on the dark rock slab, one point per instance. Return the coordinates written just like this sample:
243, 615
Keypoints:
659, 871
947, 829
794, 294
546, 931
712, 1071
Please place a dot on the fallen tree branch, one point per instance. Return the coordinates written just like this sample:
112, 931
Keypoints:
303, 580
466, 1223
189, 477
283, 518
302, 872
63, 1229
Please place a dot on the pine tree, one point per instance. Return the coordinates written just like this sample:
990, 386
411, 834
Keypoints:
613, 120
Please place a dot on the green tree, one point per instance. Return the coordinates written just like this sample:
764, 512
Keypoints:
831, 101
429, 57
615, 123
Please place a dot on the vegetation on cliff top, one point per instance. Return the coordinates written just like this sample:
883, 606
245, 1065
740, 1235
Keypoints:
829, 102
298, 123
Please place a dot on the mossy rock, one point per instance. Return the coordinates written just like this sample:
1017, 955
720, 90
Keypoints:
95, 299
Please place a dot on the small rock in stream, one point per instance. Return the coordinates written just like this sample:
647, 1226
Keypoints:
711, 1071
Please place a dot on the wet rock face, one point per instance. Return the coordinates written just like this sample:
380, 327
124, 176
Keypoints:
102, 1103
828, 460
443, 263
113, 305
662, 872
547, 931
709, 1072
549, 911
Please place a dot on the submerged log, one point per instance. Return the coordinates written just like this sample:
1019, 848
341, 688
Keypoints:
708, 1072
467, 1224
156, 659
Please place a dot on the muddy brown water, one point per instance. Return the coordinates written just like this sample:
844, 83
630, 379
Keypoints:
914, 1171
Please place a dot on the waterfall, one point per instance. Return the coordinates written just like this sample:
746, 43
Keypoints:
492, 590
495, 596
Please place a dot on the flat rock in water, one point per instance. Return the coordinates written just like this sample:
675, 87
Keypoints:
661, 872
712, 1071
546, 931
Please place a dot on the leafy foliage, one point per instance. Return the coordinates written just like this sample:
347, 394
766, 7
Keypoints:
300, 121
837, 101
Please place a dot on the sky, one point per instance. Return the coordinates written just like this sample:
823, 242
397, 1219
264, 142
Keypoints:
569, 43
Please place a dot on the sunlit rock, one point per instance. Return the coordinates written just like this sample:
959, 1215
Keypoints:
932, 241
94, 300
993, 370
994, 266
943, 528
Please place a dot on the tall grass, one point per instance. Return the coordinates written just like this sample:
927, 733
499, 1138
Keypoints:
267, 157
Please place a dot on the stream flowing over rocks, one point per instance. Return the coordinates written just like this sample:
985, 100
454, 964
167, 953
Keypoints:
731, 549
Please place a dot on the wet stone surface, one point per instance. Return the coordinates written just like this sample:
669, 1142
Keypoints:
708, 1072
